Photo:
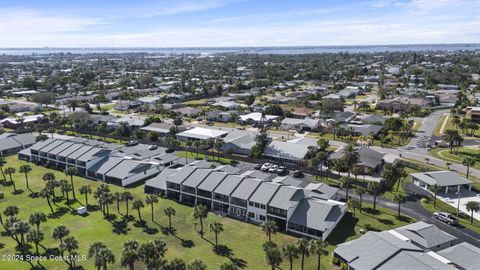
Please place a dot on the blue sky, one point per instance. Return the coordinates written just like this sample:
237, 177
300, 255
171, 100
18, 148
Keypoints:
216, 23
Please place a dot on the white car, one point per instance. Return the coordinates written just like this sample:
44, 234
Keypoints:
273, 169
265, 167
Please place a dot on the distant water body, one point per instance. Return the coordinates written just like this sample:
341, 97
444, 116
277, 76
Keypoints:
250, 50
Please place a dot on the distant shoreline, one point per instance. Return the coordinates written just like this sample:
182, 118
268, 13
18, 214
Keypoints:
250, 50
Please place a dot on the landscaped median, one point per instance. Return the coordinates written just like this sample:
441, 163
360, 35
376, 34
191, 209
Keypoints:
463, 152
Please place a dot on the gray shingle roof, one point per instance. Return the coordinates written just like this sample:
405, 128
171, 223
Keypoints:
159, 180
182, 174
415, 261
212, 181
60, 148
24, 139
246, 188
80, 151
367, 156
74, 147
196, 178
442, 178
317, 214
40, 145
464, 255
286, 150
228, 185
52, 145
426, 235
286, 197
264, 193
128, 168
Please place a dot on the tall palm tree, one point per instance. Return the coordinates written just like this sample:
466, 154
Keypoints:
151, 200
290, 252
36, 219
71, 171
21, 228
35, 236
60, 232
65, 187
70, 244
346, 183
468, 162
354, 205
319, 248
197, 264
118, 196
472, 206
25, 169
3, 162
302, 245
435, 189
169, 211
360, 191
46, 192
85, 190
450, 136
399, 198
101, 255
152, 254
273, 256
350, 156
130, 254
200, 212
374, 189
127, 196
11, 171
216, 227
269, 227
137, 205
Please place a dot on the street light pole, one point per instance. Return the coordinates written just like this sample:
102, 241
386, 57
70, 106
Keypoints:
458, 203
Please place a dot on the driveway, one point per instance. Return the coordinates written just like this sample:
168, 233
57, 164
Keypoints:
465, 197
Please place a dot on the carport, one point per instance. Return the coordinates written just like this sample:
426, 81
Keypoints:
447, 180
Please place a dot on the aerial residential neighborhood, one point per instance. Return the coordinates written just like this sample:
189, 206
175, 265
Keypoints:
229, 135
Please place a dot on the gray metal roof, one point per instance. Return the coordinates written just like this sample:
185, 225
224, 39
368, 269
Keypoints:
317, 214
372, 249
414, 260
60, 148
246, 188
40, 145
127, 168
9, 143
228, 185
286, 150
24, 139
159, 180
74, 147
196, 178
464, 255
426, 235
264, 193
367, 156
286, 197
183, 173
212, 181
51, 146
94, 153
442, 178
80, 151
105, 165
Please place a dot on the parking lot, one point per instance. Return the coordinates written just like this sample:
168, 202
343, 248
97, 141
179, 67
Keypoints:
465, 197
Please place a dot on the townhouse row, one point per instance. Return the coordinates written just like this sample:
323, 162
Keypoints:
310, 211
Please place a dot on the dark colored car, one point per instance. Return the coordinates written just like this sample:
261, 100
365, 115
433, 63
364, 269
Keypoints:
258, 166
132, 143
297, 173
282, 170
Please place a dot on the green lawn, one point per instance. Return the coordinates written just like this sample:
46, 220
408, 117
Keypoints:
243, 239
438, 126
463, 152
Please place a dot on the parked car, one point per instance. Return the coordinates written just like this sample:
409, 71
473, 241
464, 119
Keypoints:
265, 167
132, 143
282, 170
257, 166
297, 173
273, 169
152, 147
170, 150
445, 217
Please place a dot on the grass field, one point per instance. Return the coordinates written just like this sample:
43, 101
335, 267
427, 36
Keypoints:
463, 152
244, 241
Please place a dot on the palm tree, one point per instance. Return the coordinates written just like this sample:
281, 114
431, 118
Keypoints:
85, 190
468, 162
48, 176
60, 232
101, 255
152, 254
65, 187
200, 212
71, 171
228, 266
22, 228
130, 254
151, 200
118, 196
435, 189
25, 169
269, 227
318, 247
126, 197
360, 191
3, 162
354, 205
36, 219
303, 248
472, 206
273, 256
137, 205
346, 183
450, 136
290, 252
46, 192
169, 211
350, 156
70, 244
399, 198
216, 227
11, 171
35, 236
177, 264
374, 188
197, 265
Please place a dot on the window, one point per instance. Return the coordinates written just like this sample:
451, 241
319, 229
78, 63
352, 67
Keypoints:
251, 215
262, 217
257, 205
262, 206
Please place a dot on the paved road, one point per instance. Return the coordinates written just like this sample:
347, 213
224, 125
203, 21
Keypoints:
413, 208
